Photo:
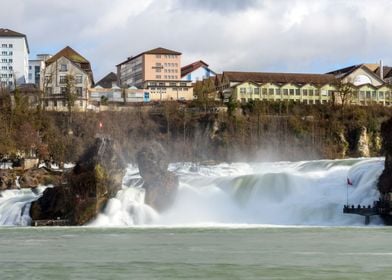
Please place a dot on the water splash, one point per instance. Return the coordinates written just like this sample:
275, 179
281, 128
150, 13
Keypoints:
283, 193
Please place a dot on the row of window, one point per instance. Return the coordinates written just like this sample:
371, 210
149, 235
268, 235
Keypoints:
60, 103
7, 45
6, 75
6, 67
5, 83
373, 94
286, 91
158, 70
162, 84
7, 53
305, 101
166, 77
158, 64
5, 60
63, 90
166, 56
174, 89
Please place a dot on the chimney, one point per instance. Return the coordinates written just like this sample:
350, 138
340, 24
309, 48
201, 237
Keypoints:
381, 70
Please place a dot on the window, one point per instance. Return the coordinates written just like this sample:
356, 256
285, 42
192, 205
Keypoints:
30, 67
48, 90
161, 84
278, 91
285, 91
257, 91
4, 45
316, 92
264, 90
368, 94
78, 79
10, 75
381, 94
10, 60
311, 92
63, 68
55, 103
173, 84
64, 103
3, 53
79, 91
157, 56
362, 94
243, 90
63, 90
10, 67
158, 70
10, 53
63, 79
157, 76
10, 45
291, 91
271, 91
374, 95
183, 84
297, 91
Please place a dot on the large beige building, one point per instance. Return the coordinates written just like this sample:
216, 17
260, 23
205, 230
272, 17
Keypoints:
157, 70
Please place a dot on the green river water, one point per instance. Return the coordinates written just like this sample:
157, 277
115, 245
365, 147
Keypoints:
196, 253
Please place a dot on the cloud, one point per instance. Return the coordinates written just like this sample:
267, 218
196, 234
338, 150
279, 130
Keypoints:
254, 35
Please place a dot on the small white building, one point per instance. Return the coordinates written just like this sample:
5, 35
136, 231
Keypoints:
14, 58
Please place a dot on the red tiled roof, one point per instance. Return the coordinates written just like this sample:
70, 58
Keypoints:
74, 57
192, 67
153, 51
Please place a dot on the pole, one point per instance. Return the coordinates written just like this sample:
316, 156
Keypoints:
347, 194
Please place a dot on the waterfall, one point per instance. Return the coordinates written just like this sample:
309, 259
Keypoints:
282, 193
15, 206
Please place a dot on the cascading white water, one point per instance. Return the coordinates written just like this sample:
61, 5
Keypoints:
283, 193
15, 206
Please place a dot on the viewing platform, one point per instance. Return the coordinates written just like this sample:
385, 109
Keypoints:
378, 208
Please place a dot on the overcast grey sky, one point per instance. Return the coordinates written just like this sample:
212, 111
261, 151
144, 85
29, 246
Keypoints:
250, 35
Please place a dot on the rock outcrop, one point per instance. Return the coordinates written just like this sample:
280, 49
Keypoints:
160, 184
32, 178
96, 177
363, 143
385, 180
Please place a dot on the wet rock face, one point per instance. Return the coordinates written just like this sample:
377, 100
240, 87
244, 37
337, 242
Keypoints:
95, 178
385, 180
161, 185
363, 143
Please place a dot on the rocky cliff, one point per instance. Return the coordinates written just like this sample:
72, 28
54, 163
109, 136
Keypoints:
96, 177
385, 180
160, 184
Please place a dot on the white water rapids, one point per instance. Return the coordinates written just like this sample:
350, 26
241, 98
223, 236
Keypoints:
281, 193
300, 193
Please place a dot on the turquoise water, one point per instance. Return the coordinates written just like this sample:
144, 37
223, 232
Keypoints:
196, 253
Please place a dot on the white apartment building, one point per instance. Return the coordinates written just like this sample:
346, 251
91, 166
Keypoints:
14, 58
36, 66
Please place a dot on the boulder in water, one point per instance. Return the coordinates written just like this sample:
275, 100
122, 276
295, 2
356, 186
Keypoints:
95, 178
160, 184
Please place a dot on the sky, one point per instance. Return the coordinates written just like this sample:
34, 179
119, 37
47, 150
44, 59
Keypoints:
306, 36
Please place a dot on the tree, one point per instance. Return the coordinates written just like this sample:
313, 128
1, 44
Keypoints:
204, 91
70, 95
344, 92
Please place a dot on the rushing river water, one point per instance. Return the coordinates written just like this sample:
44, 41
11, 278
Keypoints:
229, 221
